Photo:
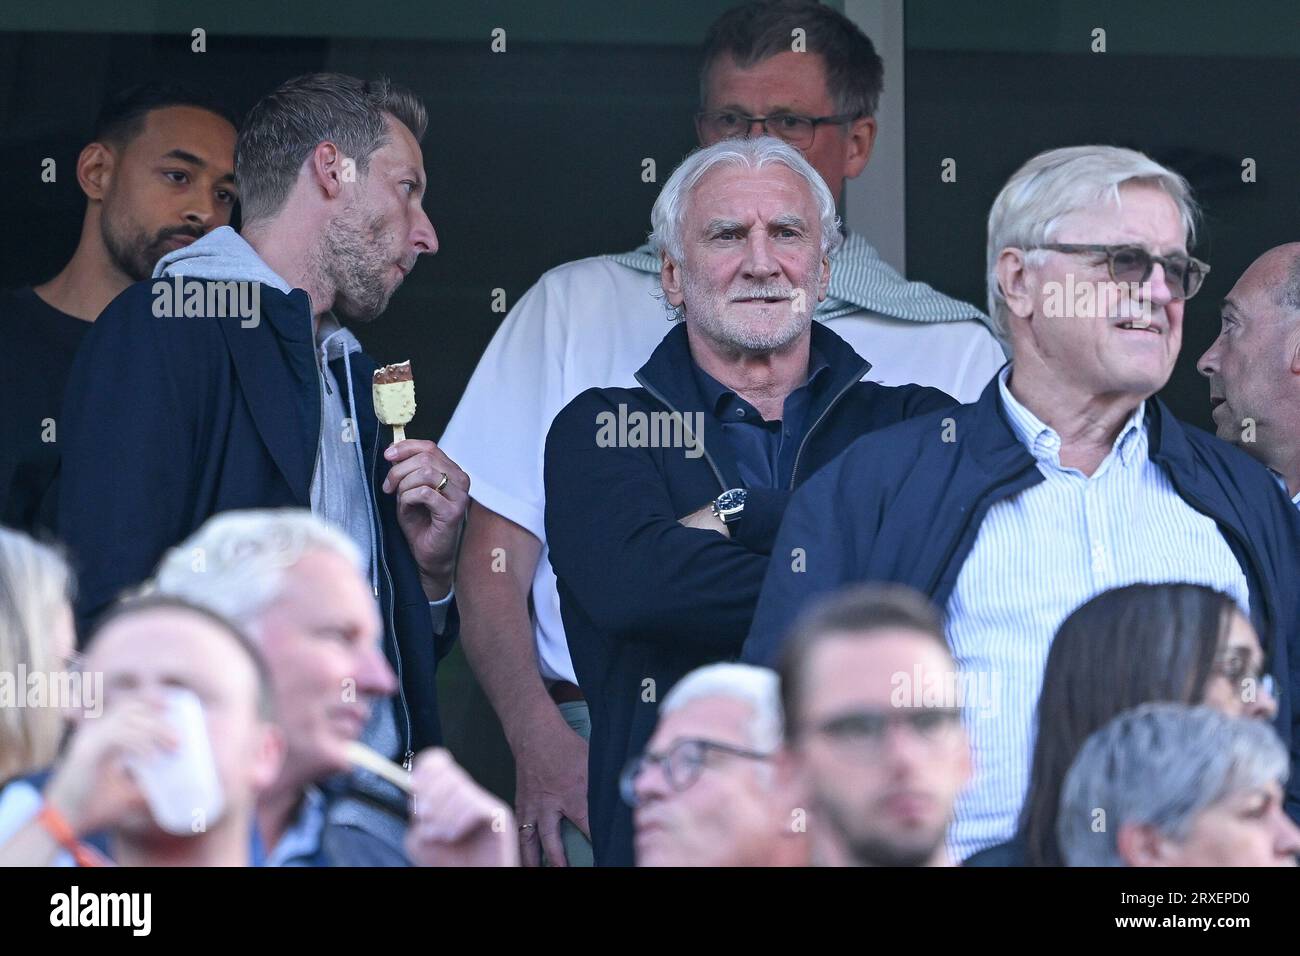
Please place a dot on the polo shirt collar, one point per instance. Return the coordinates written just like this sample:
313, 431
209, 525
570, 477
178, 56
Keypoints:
716, 395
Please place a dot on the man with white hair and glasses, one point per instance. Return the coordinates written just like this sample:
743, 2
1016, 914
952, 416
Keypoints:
1067, 477
711, 788
662, 501
1172, 785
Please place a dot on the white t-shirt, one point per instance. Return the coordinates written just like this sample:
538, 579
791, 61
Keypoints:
592, 324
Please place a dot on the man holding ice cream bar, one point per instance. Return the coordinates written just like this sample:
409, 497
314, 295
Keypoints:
169, 421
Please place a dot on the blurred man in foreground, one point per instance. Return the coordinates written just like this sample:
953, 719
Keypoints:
145, 649
711, 788
297, 586
873, 707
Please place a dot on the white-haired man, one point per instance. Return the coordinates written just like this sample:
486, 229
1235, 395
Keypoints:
662, 501
297, 586
1179, 786
591, 323
711, 788
1065, 479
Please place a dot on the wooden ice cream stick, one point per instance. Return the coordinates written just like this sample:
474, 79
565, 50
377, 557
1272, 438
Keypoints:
399, 433
366, 759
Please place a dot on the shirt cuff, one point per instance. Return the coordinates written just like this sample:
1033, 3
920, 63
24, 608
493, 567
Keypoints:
438, 611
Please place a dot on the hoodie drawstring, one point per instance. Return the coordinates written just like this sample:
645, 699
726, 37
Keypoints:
356, 447
361, 463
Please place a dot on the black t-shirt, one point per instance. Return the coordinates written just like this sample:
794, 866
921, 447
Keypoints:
37, 345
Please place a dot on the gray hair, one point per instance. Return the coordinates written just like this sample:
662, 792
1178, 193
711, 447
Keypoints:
283, 128
669, 212
35, 586
1061, 181
235, 564
755, 686
1160, 765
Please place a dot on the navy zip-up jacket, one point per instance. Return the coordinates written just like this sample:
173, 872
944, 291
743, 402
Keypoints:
903, 506
168, 421
644, 599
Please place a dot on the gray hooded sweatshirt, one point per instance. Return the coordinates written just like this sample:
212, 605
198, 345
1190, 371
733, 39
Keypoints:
340, 486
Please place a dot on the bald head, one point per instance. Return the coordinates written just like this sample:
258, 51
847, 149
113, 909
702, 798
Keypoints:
1279, 270
1254, 364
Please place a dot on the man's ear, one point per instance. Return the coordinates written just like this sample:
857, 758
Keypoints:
268, 761
858, 144
95, 167
825, 283
1293, 348
670, 277
1141, 845
326, 165
1013, 279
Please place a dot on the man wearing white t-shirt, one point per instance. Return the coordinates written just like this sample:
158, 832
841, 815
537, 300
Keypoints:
592, 323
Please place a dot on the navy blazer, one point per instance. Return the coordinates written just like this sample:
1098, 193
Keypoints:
168, 421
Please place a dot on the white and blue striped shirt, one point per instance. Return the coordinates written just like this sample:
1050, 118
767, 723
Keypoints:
1039, 555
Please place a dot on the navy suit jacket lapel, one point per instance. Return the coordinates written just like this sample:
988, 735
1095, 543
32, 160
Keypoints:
275, 365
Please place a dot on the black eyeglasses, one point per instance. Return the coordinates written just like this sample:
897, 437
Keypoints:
1183, 274
864, 731
682, 765
798, 131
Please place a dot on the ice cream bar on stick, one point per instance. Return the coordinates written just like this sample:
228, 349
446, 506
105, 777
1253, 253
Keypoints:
394, 390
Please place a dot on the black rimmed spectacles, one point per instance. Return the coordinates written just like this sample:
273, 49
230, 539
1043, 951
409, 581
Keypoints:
682, 764
799, 131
